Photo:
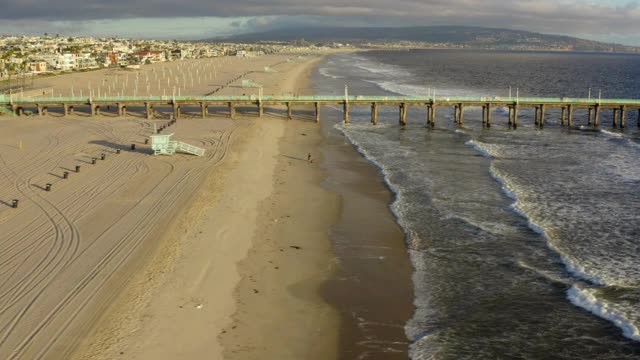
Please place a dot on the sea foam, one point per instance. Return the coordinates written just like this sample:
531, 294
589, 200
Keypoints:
586, 299
510, 189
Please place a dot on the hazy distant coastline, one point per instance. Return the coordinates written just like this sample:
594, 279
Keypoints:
449, 37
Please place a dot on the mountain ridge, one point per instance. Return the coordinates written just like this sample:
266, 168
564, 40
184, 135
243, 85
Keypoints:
439, 36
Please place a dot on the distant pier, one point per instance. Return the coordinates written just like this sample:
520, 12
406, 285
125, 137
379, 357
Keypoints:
620, 108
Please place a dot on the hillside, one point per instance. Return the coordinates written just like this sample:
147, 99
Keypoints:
441, 36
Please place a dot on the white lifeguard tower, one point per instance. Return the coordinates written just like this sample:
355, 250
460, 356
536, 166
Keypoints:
163, 145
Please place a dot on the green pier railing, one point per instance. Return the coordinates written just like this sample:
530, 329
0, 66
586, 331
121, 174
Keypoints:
6, 99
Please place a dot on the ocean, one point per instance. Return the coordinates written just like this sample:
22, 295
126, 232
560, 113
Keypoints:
525, 243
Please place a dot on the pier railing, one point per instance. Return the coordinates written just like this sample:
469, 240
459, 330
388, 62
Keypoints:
313, 98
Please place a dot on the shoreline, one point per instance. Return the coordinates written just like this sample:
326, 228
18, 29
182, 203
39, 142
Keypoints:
372, 288
264, 285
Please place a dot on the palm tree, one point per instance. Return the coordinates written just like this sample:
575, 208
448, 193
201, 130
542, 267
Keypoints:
12, 67
23, 67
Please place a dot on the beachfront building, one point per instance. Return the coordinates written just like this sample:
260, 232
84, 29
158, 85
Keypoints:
60, 62
147, 56
86, 61
178, 54
37, 66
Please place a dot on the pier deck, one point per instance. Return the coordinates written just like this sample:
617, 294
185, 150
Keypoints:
594, 106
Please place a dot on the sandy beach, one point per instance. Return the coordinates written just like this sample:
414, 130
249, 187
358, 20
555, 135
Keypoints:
234, 255
101, 240
234, 217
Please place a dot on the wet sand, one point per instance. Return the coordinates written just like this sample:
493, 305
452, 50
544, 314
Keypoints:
371, 287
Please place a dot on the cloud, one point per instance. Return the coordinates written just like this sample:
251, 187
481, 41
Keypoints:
609, 17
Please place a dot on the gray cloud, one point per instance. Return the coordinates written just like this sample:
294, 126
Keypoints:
549, 16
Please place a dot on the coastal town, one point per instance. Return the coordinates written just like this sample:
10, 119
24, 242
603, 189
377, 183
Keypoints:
29, 56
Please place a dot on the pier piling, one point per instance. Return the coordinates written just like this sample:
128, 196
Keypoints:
232, 109
317, 108
374, 113
149, 110
428, 115
176, 110
403, 114
433, 115
569, 115
623, 111
542, 109
455, 114
346, 111
596, 115
484, 115
488, 115
615, 118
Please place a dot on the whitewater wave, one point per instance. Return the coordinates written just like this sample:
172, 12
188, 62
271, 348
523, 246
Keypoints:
487, 150
579, 294
611, 133
510, 190
586, 298
379, 68
326, 72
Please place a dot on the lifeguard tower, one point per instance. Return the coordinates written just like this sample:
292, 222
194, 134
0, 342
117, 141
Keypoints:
163, 145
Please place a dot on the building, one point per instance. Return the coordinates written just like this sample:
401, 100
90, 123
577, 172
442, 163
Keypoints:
86, 61
146, 56
37, 66
178, 54
68, 62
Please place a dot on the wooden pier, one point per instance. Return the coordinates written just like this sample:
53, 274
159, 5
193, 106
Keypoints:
619, 107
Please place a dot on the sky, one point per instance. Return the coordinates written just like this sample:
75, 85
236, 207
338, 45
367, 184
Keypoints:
603, 20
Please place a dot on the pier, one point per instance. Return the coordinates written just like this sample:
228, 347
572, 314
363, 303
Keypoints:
67, 105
